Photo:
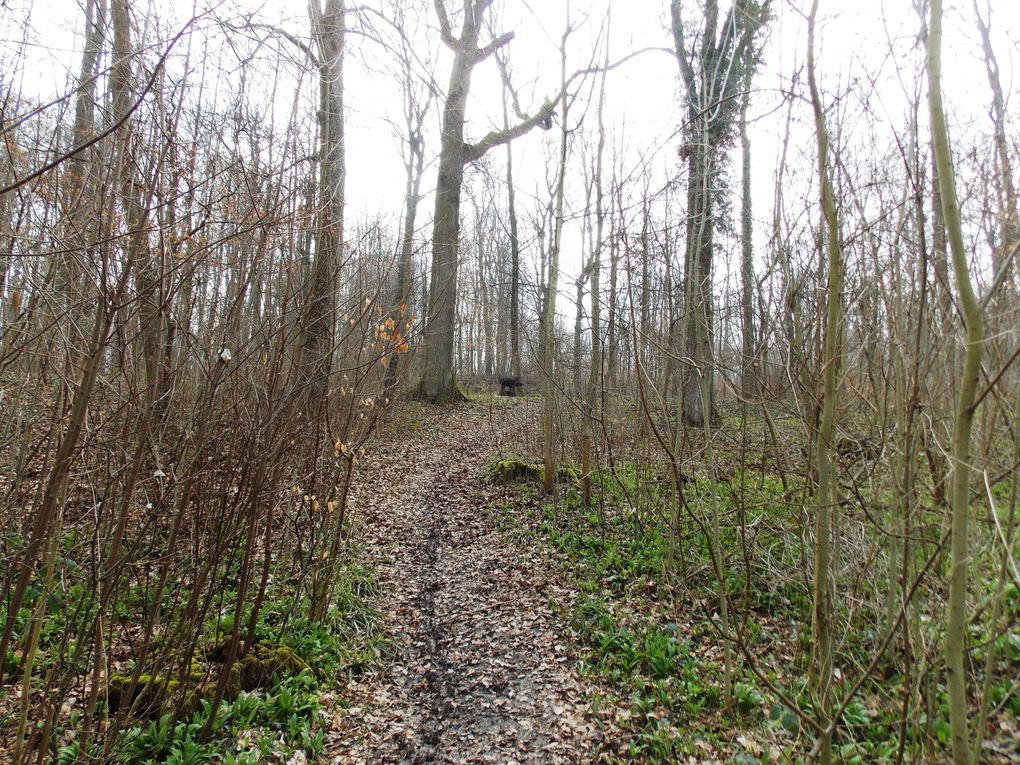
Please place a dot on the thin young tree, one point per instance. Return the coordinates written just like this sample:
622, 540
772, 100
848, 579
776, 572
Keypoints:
966, 402
823, 609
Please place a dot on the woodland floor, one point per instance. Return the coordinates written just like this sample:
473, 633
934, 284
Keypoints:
481, 669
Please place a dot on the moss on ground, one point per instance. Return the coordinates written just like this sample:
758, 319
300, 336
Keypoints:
512, 470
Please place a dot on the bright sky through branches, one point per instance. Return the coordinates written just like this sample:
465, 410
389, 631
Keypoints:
868, 55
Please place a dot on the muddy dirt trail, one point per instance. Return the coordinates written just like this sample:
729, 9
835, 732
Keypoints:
482, 671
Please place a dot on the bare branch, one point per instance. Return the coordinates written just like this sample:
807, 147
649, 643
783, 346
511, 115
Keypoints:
19, 182
488, 50
499, 137
444, 25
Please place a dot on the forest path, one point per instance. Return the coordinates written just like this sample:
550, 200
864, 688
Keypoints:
482, 671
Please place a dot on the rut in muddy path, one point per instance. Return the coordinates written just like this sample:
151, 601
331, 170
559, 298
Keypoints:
482, 671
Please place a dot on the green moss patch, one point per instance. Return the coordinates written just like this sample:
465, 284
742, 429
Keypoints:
258, 668
512, 470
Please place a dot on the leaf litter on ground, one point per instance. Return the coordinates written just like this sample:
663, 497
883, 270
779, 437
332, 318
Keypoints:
481, 670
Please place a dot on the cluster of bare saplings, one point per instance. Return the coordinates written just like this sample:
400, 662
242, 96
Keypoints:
196, 347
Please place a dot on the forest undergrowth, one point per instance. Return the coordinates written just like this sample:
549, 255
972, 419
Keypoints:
278, 697
647, 619
478, 617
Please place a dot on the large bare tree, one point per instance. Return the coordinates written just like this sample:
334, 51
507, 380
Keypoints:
438, 383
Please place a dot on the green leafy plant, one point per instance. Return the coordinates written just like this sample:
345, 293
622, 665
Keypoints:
189, 752
747, 697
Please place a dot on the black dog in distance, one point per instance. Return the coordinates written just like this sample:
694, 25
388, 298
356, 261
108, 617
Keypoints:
508, 385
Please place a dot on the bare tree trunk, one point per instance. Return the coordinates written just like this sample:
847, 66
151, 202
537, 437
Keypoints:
823, 612
748, 366
575, 360
320, 300
135, 214
549, 319
319, 309
486, 302
642, 356
515, 259
956, 617
438, 383
416, 107
782, 255
515, 274
81, 202
595, 370
612, 332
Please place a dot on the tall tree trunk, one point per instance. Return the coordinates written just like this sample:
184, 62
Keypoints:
549, 313
711, 78
782, 255
595, 370
486, 300
642, 355
122, 87
319, 310
417, 102
414, 165
515, 263
438, 383
612, 331
81, 201
748, 365
320, 299
575, 360
823, 611
515, 276
956, 617
699, 382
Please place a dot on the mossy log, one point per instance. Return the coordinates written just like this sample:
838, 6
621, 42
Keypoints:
258, 667
568, 474
152, 693
514, 470
148, 697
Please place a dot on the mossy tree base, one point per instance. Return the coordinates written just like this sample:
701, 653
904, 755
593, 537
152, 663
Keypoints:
439, 394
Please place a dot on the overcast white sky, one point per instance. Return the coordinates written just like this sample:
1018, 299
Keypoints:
859, 42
